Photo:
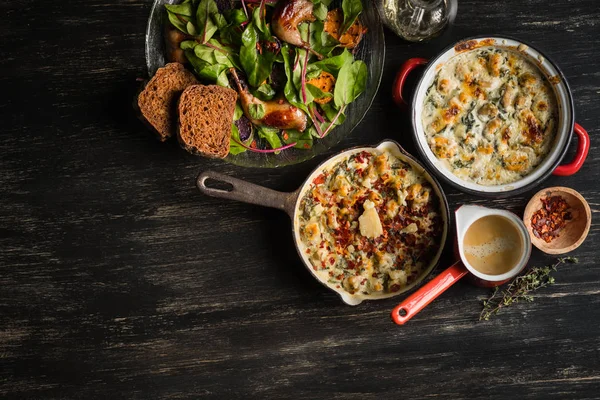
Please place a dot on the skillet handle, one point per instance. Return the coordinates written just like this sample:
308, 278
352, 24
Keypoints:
401, 76
583, 147
426, 294
246, 192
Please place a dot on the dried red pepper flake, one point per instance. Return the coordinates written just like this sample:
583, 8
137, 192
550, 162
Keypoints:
319, 179
548, 221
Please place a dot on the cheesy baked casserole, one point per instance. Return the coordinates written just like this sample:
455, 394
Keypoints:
370, 223
490, 116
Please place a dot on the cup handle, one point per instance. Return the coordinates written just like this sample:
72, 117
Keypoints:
426, 294
401, 76
583, 147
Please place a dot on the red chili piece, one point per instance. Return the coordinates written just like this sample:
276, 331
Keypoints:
548, 221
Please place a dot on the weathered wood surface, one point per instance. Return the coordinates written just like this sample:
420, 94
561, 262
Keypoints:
118, 279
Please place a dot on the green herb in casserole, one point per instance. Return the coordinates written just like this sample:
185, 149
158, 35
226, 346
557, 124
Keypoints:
490, 116
370, 224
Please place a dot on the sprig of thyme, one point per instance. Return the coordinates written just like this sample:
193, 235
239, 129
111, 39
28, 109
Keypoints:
521, 287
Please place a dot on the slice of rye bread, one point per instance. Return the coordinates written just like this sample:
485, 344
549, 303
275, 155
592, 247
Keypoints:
205, 118
158, 100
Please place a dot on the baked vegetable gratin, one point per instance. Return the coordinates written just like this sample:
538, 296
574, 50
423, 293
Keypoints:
490, 116
371, 224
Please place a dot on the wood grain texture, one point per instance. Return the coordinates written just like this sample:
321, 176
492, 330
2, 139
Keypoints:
118, 279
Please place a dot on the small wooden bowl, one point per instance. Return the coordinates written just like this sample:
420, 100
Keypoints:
574, 232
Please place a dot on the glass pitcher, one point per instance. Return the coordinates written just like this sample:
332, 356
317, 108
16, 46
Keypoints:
417, 20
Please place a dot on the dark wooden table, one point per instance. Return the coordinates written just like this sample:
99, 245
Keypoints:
118, 279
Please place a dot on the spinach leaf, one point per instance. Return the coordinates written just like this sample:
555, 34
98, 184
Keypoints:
215, 54
320, 11
234, 146
178, 21
304, 140
321, 41
257, 66
256, 111
181, 9
312, 72
350, 83
330, 113
335, 63
223, 79
270, 135
197, 63
232, 33
259, 21
191, 29
292, 94
188, 44
204, 19
235, 17
351, 9
317, 93
213, 73
209, 64
219, 20
237, 114
264, 92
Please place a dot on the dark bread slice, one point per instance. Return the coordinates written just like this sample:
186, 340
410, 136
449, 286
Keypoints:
158, 100
205, 118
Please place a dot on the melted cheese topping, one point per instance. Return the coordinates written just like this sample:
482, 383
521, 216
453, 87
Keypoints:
370, 224
490, 116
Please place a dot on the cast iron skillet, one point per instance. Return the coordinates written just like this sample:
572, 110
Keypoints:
290, 202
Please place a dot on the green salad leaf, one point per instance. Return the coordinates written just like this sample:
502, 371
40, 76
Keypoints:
303, 140
291, 90
265, 92
270, 135
191, 28
205, 16
330, 113
259, 21
317, 93
211, 60
234, 141
186, 9
350, 83
256, 111
237, 114
256, 63
320, 11
351, 9
321, 41
335, 63
179, 21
